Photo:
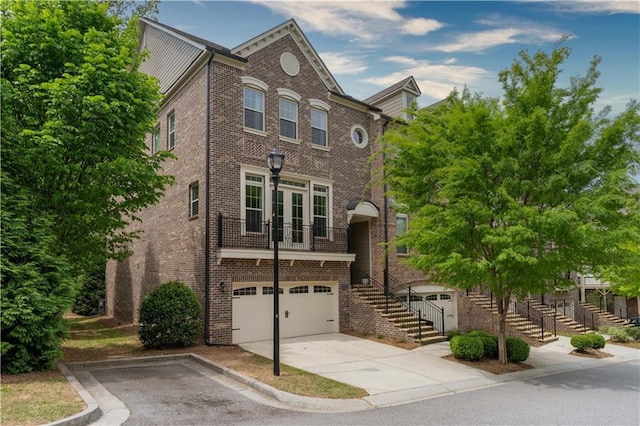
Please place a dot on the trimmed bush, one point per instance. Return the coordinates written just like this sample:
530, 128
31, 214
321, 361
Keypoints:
453, 342
581, 342
467, 347
597, 341
170, 317
452, 333
478, 333
517, 349
490, 346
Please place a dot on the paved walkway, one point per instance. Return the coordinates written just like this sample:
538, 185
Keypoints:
390, 375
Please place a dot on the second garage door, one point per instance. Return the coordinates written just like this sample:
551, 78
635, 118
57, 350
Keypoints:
305, 308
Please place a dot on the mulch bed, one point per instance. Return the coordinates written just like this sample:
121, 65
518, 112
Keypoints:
489, 365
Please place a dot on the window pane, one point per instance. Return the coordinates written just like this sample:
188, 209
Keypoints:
401, 229
253, 204
194, 200
319, 213
171, 131
288, 128
296, 218
318, 127
318, 137
253, 108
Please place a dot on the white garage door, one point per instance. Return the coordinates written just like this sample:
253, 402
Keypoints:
305, 308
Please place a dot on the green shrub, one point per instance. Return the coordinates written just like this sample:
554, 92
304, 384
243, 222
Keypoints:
616, 334
467, 347
633, 333
597, 341
517, 349
91, 291
478, 333
170, 317
490, 346
452, 333
581, 342
453, 343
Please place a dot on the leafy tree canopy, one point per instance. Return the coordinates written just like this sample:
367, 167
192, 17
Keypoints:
81, 111
512, 193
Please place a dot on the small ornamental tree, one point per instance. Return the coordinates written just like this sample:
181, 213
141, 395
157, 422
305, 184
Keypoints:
511, 193
170, 317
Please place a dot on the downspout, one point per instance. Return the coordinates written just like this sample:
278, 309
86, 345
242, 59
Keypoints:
207, 218
386, 219
207, 215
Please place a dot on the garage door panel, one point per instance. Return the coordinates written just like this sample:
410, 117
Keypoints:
305, 308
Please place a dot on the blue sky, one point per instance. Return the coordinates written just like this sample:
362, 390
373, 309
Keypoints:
369, 45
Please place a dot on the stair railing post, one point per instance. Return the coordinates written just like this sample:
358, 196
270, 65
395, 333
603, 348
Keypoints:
584, 322
528, 311
592, 322
442, 318
420, 325
564, 307
555, 330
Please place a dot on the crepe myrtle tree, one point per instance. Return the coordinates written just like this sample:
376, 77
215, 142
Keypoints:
511, 193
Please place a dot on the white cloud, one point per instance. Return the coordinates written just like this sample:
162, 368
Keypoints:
436, 80
364, 21
421, 26
342, 63
597, 6
505, 30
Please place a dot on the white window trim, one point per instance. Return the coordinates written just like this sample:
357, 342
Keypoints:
192, 200
267, 189
243, 192
406, 218
320, 106
290, 96
365, 135
171, 132
261, 86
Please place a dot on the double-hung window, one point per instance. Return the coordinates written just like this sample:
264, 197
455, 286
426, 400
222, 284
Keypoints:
318, 127
253, 203
156, 144
253, 108
401, 229
194, 200
288, 119
320, 211
171, 130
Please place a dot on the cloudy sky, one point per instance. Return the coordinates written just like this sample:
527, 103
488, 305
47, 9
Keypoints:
369, 45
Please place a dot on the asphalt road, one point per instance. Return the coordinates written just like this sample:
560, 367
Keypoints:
174, 394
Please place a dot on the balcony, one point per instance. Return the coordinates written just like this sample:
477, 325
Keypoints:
241, 239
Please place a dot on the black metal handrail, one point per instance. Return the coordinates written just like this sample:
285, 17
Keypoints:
241, 233
546, 323
423, 310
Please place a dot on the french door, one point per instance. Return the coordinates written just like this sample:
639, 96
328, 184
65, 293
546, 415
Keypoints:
291, 208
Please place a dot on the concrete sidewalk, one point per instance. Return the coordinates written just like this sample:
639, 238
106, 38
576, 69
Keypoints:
389, 374
393, 376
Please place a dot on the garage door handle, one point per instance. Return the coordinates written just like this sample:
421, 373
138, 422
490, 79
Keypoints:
286, 314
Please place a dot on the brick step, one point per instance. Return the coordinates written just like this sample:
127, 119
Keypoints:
430, 340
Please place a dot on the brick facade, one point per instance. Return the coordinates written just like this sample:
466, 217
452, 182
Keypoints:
172, 245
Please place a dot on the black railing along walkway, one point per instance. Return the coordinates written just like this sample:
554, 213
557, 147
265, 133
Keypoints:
240, 233
424, 310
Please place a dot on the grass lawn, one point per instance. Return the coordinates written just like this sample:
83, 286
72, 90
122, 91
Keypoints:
37, 398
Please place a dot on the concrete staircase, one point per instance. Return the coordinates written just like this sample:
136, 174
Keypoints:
421, 332
565, 324
514, 320
605, 318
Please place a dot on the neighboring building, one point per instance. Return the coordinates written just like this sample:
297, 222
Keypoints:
223, 111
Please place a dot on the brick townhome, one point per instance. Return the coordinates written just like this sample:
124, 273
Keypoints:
223, 111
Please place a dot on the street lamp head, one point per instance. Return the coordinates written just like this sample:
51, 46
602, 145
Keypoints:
276, 161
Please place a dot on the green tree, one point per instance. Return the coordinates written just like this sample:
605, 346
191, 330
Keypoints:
510, 194
75, 114
82, 111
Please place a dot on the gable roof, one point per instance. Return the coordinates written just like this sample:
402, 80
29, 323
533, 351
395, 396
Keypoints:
292, 29
408, 84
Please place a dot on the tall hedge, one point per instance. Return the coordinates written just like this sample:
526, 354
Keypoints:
170, 317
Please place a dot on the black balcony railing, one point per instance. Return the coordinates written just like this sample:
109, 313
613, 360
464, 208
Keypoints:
239, 233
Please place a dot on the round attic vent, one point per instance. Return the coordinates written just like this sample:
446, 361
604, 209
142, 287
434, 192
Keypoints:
289, 64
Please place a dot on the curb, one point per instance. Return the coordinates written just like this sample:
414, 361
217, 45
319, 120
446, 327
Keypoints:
304, 403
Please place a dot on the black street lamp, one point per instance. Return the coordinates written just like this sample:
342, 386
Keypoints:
275, 159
